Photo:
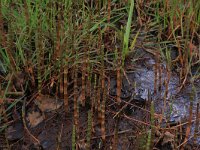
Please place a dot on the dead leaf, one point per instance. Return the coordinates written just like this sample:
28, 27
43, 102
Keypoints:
193, 50
34, 118
19, 80
168, 138
46, 103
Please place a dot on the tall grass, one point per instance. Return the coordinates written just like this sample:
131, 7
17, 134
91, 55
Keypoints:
127, 32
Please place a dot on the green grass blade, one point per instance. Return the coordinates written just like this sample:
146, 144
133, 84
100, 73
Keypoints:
127, 33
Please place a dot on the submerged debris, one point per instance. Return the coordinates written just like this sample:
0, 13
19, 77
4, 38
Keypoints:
15, 131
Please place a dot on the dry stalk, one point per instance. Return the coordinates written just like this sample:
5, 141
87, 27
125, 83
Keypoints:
188, 129
119, 83
155, 74
25, 126
83, 78
76, 115
61, 83
115, 138
88, 82
159, 75
139, 121
100, 76
93, 102
99, 101
103, 130
89, 72
65, 86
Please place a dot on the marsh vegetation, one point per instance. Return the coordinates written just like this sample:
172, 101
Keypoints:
99, 74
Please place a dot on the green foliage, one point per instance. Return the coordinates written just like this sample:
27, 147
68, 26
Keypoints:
74, 138
127, 32
148, 144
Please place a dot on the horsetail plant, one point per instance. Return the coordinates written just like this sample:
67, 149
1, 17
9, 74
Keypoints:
89, 129
74, 137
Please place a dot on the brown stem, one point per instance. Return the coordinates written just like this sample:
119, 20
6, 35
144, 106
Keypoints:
76, 115
118, 85
65, 88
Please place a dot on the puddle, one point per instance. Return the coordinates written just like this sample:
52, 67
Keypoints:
178, 103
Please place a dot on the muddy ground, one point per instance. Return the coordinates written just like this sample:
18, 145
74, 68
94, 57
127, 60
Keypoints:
47, 126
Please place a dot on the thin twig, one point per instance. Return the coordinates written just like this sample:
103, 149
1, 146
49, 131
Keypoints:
25, 126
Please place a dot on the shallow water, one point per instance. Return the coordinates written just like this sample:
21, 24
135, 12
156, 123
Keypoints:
178, 103
140, 82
